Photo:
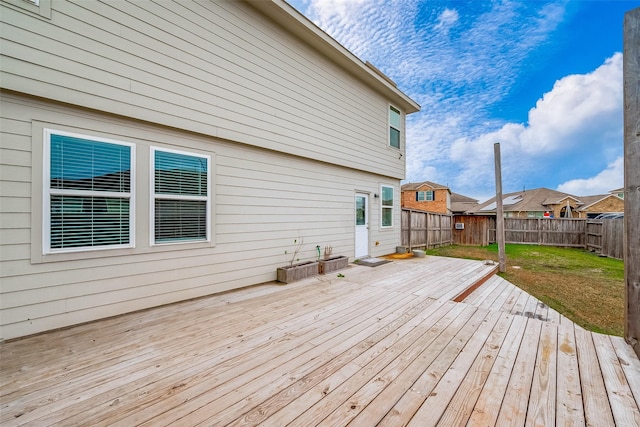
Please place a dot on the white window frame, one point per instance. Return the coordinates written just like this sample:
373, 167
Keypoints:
383, 207
152, 192
391, 126
41, 8
48, 192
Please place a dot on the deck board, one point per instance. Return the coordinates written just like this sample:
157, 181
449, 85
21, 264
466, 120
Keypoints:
623, 404
630, 365
490, 400
380, 346
465, 383
569, 409
542, 400
516, 401
597, 409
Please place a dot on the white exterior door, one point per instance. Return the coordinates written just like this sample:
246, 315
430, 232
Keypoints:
362, 225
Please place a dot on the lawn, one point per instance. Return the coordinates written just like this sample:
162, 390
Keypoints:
581, 285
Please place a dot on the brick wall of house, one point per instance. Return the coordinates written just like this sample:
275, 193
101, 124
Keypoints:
438, 205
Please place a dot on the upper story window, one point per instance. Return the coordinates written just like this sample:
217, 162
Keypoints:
394, 127
425, 196
181, 197
88, 193
387, 207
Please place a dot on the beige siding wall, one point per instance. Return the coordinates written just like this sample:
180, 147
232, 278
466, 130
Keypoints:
215, 68
263, 200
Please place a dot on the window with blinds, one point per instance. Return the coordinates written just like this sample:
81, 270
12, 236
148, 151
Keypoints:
88, 193
181, 196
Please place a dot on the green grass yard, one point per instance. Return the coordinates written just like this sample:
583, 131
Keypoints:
581, 285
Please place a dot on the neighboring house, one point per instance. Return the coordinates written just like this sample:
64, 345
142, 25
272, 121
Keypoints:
601, 204
158, 151
460, 204
618, 192
543, 202
426, 196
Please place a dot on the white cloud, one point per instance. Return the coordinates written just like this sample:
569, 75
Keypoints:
446, 19
362, 26
609, 179
577, 106
458, 64
326, 9
567, 126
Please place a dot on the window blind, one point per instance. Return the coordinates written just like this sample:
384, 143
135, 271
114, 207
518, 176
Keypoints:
181, 196
89, 193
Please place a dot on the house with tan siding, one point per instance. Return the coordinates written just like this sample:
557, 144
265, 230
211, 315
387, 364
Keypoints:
601, 204
154, 152
618, 192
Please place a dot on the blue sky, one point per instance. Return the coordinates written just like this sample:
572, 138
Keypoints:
542, 78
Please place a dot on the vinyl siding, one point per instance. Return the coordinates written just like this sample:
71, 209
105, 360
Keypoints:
215, 68
262, 201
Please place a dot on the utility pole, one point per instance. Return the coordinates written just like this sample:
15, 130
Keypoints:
631, 71
502, 259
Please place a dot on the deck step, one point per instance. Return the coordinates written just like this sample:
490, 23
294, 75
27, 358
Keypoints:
475, 285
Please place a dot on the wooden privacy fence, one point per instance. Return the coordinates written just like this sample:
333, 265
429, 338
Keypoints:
430, 230
425, 229
544, 231
606, 236
473, 230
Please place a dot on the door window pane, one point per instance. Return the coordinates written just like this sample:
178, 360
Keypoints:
361, 207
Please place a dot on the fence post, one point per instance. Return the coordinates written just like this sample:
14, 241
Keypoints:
502, 260
586, 235
539, 227
631, 70
409, 228
427, 225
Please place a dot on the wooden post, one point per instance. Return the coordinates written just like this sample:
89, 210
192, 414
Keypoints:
502, 260
631, 70
409, 230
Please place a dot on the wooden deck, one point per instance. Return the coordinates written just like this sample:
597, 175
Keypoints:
383, 346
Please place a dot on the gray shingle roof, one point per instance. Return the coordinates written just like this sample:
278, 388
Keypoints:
426, 184
462, 204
